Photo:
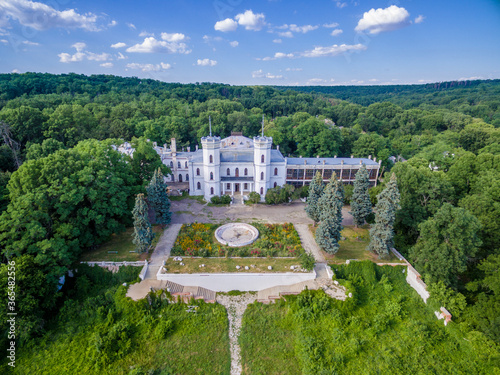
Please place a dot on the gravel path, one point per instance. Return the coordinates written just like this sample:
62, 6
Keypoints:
235, 306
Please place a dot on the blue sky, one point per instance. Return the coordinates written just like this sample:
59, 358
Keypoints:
273, 42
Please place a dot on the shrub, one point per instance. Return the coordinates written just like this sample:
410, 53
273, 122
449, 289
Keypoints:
163, 329
254, 197
279, 194
307, 261
224, 199
348, 190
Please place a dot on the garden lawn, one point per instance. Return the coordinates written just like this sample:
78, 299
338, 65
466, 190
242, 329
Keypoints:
385, 328
222, 265
354, 246
120, 243
100, 331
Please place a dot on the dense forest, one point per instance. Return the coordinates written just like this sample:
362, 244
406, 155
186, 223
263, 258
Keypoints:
64, 189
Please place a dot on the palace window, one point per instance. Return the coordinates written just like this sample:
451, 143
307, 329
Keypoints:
261, 176
246, 172
197, 171
187, 177
275, 184
180, 178
275, 171
228, 186
237, 172
178, 164
171, 164
198, 186
228, 172
212, 191
245, 186
261, 191
211, 175
211, 158
185, 164
262, 159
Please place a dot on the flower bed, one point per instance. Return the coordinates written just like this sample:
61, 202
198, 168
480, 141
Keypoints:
275, 240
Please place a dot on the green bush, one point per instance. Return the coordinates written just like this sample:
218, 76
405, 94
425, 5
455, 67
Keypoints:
307, 261
163, 329
348, 190
254, 197
279, 194
224, 199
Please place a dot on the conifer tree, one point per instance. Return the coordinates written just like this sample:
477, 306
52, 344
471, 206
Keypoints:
330, 203
382, 233
143, 234
360, 203
315, 191
158, 198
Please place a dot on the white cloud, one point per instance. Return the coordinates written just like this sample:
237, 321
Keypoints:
419, 19
4, 41
131, 25
15, 71
81, 55
315, 81
333, 50
152, 45
280, 55
121, 56
293, 69
331, 25
107, 65
40, 16
175, 37
226, 25
260, 74
286, 34
277, 40
206, 62
234, 43
149, 67
144, 34
251, 21
470, 78
340, 4
378, 20
209, 39
118, 45
373, 80
27, 42
336, 32
302, 29
112, 23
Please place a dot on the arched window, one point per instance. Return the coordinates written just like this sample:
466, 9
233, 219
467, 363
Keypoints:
198, 186
178, 164
211, 175
261, 176
211, 158
212, 191
237, 172
171, 164
246, 172
173, 179
261, 191
228, 172
180, 178
275, 171
275, 184
262, 159
185, 164
187, 177
197, 171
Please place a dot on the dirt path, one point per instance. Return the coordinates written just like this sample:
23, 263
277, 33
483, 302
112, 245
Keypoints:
309, 243
235, 306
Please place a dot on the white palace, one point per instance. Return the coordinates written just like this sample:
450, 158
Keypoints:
240, 165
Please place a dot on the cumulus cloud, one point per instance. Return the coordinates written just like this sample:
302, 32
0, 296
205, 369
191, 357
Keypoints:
277, 55
234, 43
107, 65
251, 20
4, 41
336, 32
333, 50
40, 16
277, 40
315, 81
378, 20
131, 25
340, 4
260, 74
149, 67
226, 25
144, 34
112, 23
27, 42
293, 69
331, 25
302, 29
81, 54
169, 44
206, 62
286, 34
118, 45
419, 19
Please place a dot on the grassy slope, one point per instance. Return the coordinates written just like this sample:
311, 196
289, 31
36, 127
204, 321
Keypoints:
384, 329
192, 265
84, 339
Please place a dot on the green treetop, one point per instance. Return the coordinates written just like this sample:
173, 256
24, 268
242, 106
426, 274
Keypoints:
143, 233
330, 203
315, 191
360, 203
158, 198
382, 233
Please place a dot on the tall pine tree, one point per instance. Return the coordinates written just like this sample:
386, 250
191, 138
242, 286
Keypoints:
361, 206
382, 232
315, 190
330, 203
143, 233
158, 198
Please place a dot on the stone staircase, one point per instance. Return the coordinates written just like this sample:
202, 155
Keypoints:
186, 293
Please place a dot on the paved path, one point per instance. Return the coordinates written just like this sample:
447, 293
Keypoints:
162, 250
309, 243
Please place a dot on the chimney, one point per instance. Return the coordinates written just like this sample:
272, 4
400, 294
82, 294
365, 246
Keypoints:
300, 156
335, 156
374, 158
361, 162
278, 147
317, 156
196, 148
370, 157
352, 156
173, 147
189, 148
165, 146
380, 162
